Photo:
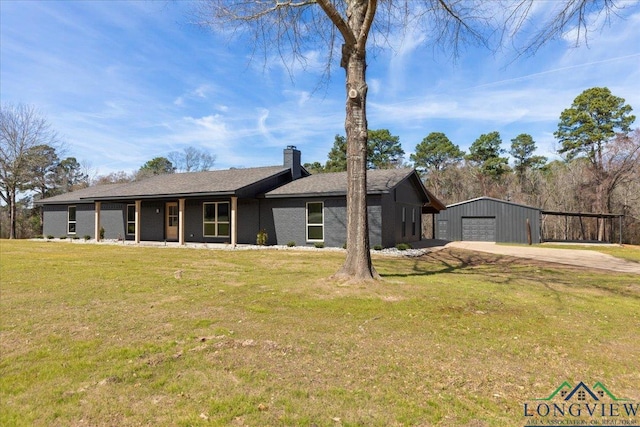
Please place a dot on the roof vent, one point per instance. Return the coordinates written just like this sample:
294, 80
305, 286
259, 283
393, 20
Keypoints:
291, 147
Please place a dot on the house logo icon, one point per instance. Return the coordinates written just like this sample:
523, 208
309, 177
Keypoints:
581, 392
582, 405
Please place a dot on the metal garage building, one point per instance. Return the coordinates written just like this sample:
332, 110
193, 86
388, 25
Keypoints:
490, 220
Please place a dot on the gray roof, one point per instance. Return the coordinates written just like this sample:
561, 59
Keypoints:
335, 184
231, 181
83, 193
492, 199
220, 182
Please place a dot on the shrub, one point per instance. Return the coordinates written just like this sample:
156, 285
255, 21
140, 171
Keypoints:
377, 248
39, 236
344, 246
319, 245
50, 236
262, 237
403, 246
291, 244
63, 237
101, 233
87, 237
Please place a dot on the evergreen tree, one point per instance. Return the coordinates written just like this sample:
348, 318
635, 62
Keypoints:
435, 152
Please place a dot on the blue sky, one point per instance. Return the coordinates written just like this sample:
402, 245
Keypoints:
125, 81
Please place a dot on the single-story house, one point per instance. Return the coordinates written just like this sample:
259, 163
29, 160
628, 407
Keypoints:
490, 220
232, 206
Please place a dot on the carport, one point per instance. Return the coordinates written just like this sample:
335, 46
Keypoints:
581, 227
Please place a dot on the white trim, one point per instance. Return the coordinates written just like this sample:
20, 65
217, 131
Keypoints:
129, 221
307, 224
181, 222
74, 222
138, 212
234, 220
96, 228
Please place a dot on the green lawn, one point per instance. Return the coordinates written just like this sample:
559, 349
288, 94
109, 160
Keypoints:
98, 335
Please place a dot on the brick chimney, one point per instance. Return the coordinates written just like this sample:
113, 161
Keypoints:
292, 161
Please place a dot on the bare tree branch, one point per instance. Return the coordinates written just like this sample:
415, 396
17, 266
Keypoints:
336, 18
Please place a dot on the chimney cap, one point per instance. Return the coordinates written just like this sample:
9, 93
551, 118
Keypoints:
291, 147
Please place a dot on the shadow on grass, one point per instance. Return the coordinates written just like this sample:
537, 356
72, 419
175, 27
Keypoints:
451, 261
506, 269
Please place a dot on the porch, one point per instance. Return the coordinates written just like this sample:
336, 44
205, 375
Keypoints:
219, 219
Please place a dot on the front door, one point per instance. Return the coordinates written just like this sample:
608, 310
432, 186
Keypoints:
171, 221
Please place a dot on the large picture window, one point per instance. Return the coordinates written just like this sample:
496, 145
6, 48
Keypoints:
131, 219
315, 222
71, 220
215, 219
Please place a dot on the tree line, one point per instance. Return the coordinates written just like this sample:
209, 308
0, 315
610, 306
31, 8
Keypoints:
34, 165
598, 170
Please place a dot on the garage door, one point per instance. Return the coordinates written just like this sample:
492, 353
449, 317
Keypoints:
479, 229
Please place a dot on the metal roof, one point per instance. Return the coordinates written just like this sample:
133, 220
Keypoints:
492, 199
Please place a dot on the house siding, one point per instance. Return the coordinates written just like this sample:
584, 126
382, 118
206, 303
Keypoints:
152, 223
285, 220
111, 219
403, 196
264, 185
193, 228
249, 221
282, 216
510, 220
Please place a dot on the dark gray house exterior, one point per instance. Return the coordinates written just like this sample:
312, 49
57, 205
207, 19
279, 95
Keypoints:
488, 219
232, 206
395, 201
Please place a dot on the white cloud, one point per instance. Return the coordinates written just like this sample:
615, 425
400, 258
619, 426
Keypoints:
125, 82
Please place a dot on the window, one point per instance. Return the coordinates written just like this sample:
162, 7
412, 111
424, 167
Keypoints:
131, 219
413, 221
71, 224
315, 222
215, 218
404, 222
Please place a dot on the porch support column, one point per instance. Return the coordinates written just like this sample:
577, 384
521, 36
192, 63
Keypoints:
96, 230
234, 220
137, 220
181, 222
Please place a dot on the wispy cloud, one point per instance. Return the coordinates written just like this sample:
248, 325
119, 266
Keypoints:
127, 81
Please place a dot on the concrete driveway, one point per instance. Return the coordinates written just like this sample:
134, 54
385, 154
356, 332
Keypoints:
575, 257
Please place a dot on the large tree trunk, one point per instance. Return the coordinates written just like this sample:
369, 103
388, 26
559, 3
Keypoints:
358, 264
12, 215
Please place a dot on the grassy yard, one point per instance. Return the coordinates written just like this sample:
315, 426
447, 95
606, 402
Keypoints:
95, 335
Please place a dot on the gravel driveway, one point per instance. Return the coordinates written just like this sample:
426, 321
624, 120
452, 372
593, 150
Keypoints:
575, 257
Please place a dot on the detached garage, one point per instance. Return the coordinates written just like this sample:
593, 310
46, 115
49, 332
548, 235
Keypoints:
488, 220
